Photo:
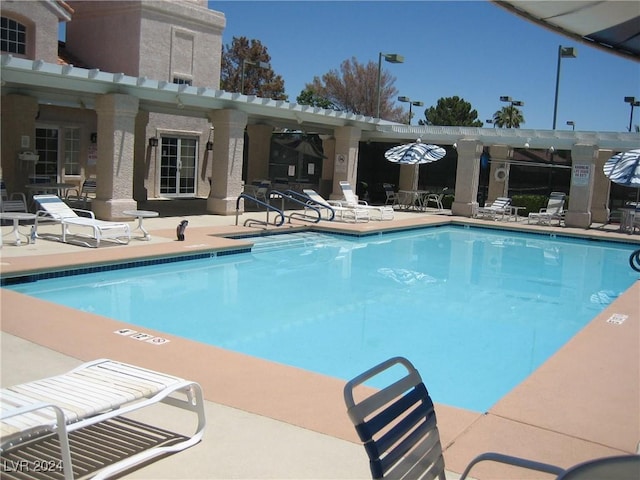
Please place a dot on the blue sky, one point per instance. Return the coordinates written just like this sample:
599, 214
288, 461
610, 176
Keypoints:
471, 49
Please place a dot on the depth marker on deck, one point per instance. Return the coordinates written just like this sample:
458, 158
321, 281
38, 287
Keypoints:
617, 318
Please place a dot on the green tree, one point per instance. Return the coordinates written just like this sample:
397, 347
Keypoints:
262, 82
308, 97
508, 117
452, 111
354, 89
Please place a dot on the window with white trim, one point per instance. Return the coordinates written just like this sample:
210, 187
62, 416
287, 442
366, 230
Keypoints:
71, 151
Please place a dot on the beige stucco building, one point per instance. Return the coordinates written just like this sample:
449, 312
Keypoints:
135, 102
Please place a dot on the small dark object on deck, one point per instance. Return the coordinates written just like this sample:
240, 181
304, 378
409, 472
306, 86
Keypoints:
182, 226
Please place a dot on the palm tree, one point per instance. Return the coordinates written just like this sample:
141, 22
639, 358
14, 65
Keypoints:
508, 117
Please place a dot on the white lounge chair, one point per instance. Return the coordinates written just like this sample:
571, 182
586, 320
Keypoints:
553, 211
346, 213
380, 212
499, 207
102, 393
50, 207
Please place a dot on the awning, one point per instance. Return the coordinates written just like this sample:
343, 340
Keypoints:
613, 25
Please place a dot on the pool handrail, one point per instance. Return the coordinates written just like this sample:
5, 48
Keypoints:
309, 203
269, 208
290, 195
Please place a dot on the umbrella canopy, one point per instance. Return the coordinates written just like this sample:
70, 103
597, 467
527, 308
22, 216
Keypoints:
415, 153
624, 168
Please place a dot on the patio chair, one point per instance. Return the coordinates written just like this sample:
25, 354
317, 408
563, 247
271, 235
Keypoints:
553, 211
499, 207
89, 405
390, 193
50, 207
434, 198
345, 213
351, 200
16, 202
399, 431
83, 197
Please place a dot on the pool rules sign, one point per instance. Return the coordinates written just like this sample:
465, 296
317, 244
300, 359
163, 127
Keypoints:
581, 175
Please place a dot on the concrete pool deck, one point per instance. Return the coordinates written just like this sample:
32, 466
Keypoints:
267, 420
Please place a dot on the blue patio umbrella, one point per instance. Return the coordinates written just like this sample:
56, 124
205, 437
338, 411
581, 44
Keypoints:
415, 153
624, 169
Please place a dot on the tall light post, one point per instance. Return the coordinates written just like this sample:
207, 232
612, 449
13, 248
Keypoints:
408, 100
391, 58
513, 103
563, 52
572, 124
244, 63
634, 103
489, 121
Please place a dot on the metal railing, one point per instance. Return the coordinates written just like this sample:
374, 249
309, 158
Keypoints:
270, 208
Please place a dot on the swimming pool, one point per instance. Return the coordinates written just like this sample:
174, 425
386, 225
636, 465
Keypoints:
476, 310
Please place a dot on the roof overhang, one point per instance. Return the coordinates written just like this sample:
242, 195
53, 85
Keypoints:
612, 25
68, 86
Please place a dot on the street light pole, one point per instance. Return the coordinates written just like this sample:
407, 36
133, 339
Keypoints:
563, 52
416, 104
244, 63
391, 58
634, 103
572, 124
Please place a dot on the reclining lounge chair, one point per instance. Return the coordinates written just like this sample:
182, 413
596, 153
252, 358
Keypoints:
553, 211
501, 206
96, 395
345, 213
351, 200
50, 207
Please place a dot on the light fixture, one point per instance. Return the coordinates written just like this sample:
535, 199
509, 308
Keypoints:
563, 52
408, 100
209, 146
572, 124
391, 58
153, 141
634, 103
244, 63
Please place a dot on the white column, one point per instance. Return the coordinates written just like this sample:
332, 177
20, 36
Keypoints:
600, 210
583, 159
228, 150
467, 178
116, 141
345, 167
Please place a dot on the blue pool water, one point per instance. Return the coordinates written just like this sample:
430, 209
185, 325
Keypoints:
475, 310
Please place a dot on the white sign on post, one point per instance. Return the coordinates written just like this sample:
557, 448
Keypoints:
341, 163
581, 175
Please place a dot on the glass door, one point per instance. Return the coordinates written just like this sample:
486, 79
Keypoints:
178, 166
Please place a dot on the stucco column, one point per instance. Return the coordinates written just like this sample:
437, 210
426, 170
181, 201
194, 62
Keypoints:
499, 172
600, 210
328, 165
116, 141
467, 178
19, 120
259, 137
583, 158
345, 166
228, 149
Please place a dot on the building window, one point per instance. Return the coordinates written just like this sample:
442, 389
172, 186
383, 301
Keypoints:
72, 151
182, 81
47, 147
13, 36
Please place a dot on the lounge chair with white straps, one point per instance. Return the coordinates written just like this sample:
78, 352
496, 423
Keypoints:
86, 405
